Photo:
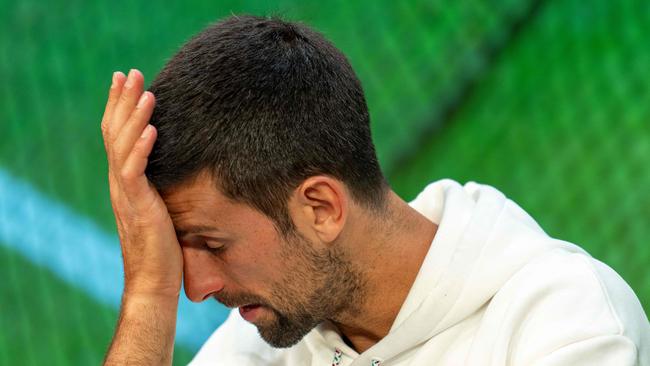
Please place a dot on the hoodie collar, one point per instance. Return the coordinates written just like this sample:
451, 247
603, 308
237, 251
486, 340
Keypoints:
478, 227
464, 217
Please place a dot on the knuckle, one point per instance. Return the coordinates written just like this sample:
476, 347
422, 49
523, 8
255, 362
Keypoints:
112, 180
104, 127
124, 97
127, 175
112, 95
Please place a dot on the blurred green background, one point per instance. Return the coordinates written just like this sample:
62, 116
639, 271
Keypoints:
548, 101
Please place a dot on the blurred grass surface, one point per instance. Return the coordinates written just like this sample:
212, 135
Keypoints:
553, 111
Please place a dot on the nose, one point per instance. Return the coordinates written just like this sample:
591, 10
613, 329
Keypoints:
202, 276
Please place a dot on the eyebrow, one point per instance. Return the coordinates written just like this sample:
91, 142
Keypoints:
194, 229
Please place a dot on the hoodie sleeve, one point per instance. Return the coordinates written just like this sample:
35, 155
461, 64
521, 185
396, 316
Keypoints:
619, 331
566, 309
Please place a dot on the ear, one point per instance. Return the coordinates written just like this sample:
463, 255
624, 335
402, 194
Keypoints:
320, 206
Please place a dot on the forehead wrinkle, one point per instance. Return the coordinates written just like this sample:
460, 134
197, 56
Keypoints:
182, 214
185, 206
194, 229
186, 221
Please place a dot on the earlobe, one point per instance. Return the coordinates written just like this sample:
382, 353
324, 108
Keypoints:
324, 203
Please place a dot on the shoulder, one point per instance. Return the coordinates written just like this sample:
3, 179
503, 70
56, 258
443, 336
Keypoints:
565, 298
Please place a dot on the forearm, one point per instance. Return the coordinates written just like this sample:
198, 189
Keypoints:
145, 331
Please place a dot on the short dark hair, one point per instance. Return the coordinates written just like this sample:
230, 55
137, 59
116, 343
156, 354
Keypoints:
263, 104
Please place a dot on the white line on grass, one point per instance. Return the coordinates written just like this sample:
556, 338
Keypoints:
78, 251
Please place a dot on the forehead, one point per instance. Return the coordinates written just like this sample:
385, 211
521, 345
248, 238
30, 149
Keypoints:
194, 194
200, 204
197, 202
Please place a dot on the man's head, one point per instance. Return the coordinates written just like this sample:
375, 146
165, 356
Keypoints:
263, 104
263, 131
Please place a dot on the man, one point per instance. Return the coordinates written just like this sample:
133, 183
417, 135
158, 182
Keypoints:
254, 179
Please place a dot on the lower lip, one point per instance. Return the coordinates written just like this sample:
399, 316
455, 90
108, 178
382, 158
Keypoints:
250, 312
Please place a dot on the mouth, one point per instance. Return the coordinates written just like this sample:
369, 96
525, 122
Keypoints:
250, 312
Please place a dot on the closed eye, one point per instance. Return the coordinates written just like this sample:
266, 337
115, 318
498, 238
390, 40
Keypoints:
214, 246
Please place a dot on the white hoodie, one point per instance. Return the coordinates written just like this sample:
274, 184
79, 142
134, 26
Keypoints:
494, 289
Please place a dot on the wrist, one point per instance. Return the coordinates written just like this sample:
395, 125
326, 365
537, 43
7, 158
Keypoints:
146, 288
145, 329
148, 298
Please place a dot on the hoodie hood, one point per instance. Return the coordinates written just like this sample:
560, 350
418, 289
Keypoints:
483, 239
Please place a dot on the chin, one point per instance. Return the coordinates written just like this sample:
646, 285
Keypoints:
282, 333
281, 341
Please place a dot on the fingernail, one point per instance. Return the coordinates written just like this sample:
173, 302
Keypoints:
114, 79
147, 131
143, 98
129, 78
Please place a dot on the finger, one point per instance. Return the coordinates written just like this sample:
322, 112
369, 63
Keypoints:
131, 92
117, 83
133, 127
134, 181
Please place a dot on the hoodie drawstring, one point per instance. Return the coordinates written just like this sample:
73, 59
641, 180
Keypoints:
338, 355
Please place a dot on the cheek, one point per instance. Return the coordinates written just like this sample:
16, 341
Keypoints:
256, 264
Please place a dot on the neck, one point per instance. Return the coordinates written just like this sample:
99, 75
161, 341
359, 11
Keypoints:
391, 251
